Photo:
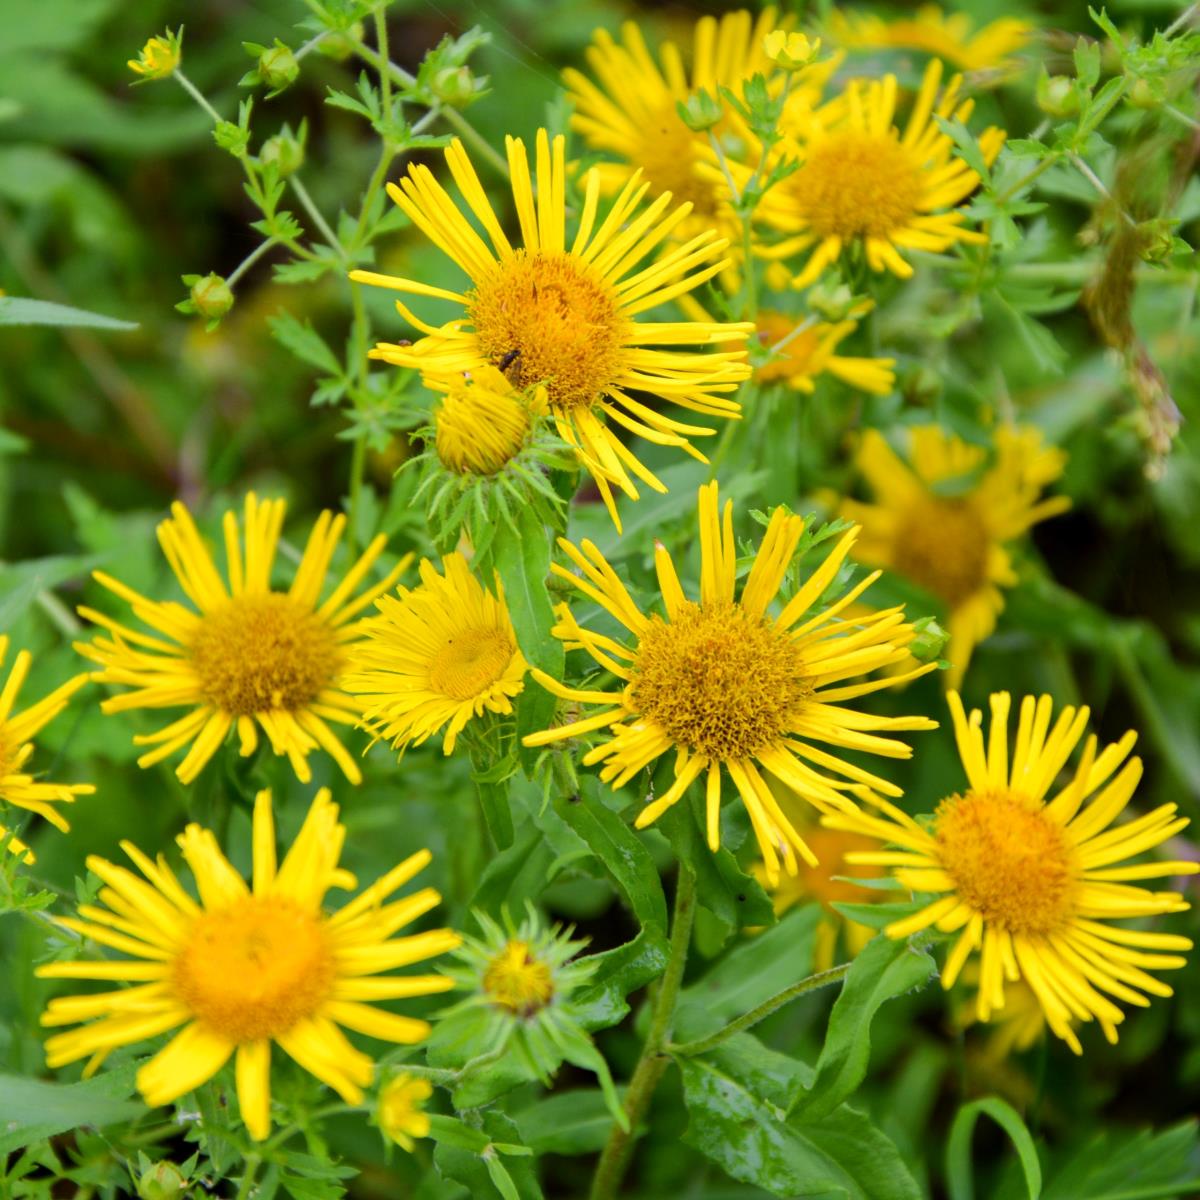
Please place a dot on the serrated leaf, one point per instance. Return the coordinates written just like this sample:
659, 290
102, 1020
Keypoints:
304, 342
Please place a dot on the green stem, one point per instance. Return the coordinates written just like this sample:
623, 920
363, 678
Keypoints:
197, 95
1026, 179
469, 133
764, 1010
653, 1062
315, 213
248, 1176
249, 261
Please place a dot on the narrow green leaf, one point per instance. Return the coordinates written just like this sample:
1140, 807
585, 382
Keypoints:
21, 310
960, 1181
523, 562
575, 1122
32, 1109
883, 970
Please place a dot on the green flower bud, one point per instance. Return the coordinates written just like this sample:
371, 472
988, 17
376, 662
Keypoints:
162, 1181
285, 150
339, 46
211, 295
930, 640
278, 67
1057, 96
1141, 95
454, 86
700, 112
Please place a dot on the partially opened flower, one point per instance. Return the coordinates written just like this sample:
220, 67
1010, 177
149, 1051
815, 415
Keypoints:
482, 422
629, 109
860, 182
436, 656
245, 655
947, 36
734, 683
159, 56
808, 348
945, 518
564, 314
401, 1113
243, 967
18, 786
1032, 876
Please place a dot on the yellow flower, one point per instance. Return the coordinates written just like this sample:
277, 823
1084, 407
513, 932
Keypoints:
244, 655
1034, 884
1012, 1029
813, 351
791, 51
817, 882
401, 1109
947, 36
159, 57
482, 422
246, 967
17, 786
952, 542
517, 980
725, 682
630, 110
436, 656
859, 181
566, 318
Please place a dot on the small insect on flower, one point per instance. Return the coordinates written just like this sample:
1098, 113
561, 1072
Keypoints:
17, 786
732, 684
246, 655
247, 966
401, 1111
564, 314
436, 656
945, 519
861, 182
1033, 885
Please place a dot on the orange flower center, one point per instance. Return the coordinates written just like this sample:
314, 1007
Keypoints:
550, 318
1009, 861
264, 653
718, 681
255, 969
943, 546
857, 184
666, 152
470, 662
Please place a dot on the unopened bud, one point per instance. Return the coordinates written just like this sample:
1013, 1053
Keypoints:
1057, 96
278, 67
339, 46
162, 1181
930, 640
212, 296
454, 86
1141, 95
285, 151
700, 112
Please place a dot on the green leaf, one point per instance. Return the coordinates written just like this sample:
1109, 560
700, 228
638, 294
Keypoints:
619, 972
1116, 1165
959, 1178
1087, 62
32, 1109
523, 562
517, 874
475, 1169
576, 1122
304, 342
21, 310
762, 966
735, 1119
883, 970
620, 849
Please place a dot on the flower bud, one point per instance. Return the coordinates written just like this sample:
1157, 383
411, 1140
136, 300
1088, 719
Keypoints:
285, 151
930, 640
159, 57
401, 1113
211, 295
1057, 95
700, 112
161, 1181
277, 66
1141, 95
339, 46
454, 86
790, 51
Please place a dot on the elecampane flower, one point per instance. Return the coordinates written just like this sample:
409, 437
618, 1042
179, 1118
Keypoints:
567, 318
482, 422
731, 684
630, 108
944, 519
401, 1112
17, 730
245, 967
1034, 884
948, 36
245, 655
861, 182
436, 656
812, 351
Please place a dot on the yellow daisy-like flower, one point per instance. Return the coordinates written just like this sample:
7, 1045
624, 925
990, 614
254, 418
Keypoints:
245, 655
159, 57
402, 1115
947, 36
944, 519
17, 786
813, 351
818, 882
517, 980
482, 422
246, 967
1012, 1029
631, 111
1034, 884
861, 182
566, 318
727, 683
436, 656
